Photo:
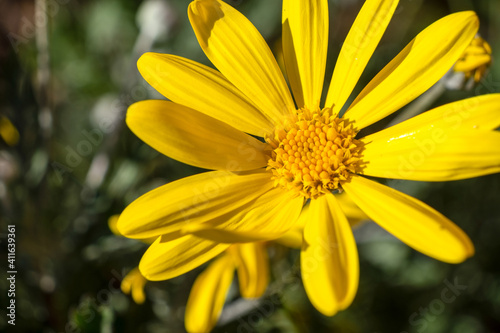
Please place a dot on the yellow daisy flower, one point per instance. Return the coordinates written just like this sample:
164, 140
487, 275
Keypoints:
308, 151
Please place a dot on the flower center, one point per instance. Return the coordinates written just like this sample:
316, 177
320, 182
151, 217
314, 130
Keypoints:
314, 153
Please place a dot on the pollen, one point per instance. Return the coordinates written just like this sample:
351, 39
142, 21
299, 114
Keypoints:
314, 153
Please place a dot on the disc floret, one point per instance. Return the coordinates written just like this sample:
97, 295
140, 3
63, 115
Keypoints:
314, 153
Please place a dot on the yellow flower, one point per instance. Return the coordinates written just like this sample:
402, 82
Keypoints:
133, 283
209, 291
308, 151
8, 132
476, 60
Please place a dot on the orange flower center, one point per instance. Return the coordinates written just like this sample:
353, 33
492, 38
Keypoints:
314, 153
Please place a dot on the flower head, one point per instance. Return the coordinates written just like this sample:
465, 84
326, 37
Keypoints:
309, 149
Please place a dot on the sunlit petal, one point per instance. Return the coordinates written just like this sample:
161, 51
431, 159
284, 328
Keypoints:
167, 260
196, 199
240, 53
363, 38
267, 217
305, 44
208, 295
203, 89
193, 138
480, 112
419, 66
329, 257
410, 220
434, 154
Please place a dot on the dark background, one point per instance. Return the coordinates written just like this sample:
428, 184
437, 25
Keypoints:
67, 75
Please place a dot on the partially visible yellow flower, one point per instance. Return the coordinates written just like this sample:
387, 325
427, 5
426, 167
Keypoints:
209, 291
133, 283
476, 60
310, 149
8, 131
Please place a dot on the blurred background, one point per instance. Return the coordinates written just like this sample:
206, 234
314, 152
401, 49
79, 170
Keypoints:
68, 163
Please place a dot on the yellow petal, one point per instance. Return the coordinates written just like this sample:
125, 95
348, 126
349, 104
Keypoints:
113, 226
305, 45
265, 218
358, 48
201, 88
240, 53
481, 112
410, 220
415, 69
193, 138
353, 213
329, 257
253, 268
194, 199
208, 295
293, 237
472, 63
112, 222
134, 283
433, 154
167, 260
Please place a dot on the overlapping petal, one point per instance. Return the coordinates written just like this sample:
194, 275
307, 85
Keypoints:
358, 47
415, 69
193, 138
208, 295
353, 213
480, 112
329, 257
267, 217
166, 260
196, 199
204, 89
433, 154
293, 237
252, 267
240, 53
410, 220
305, 45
